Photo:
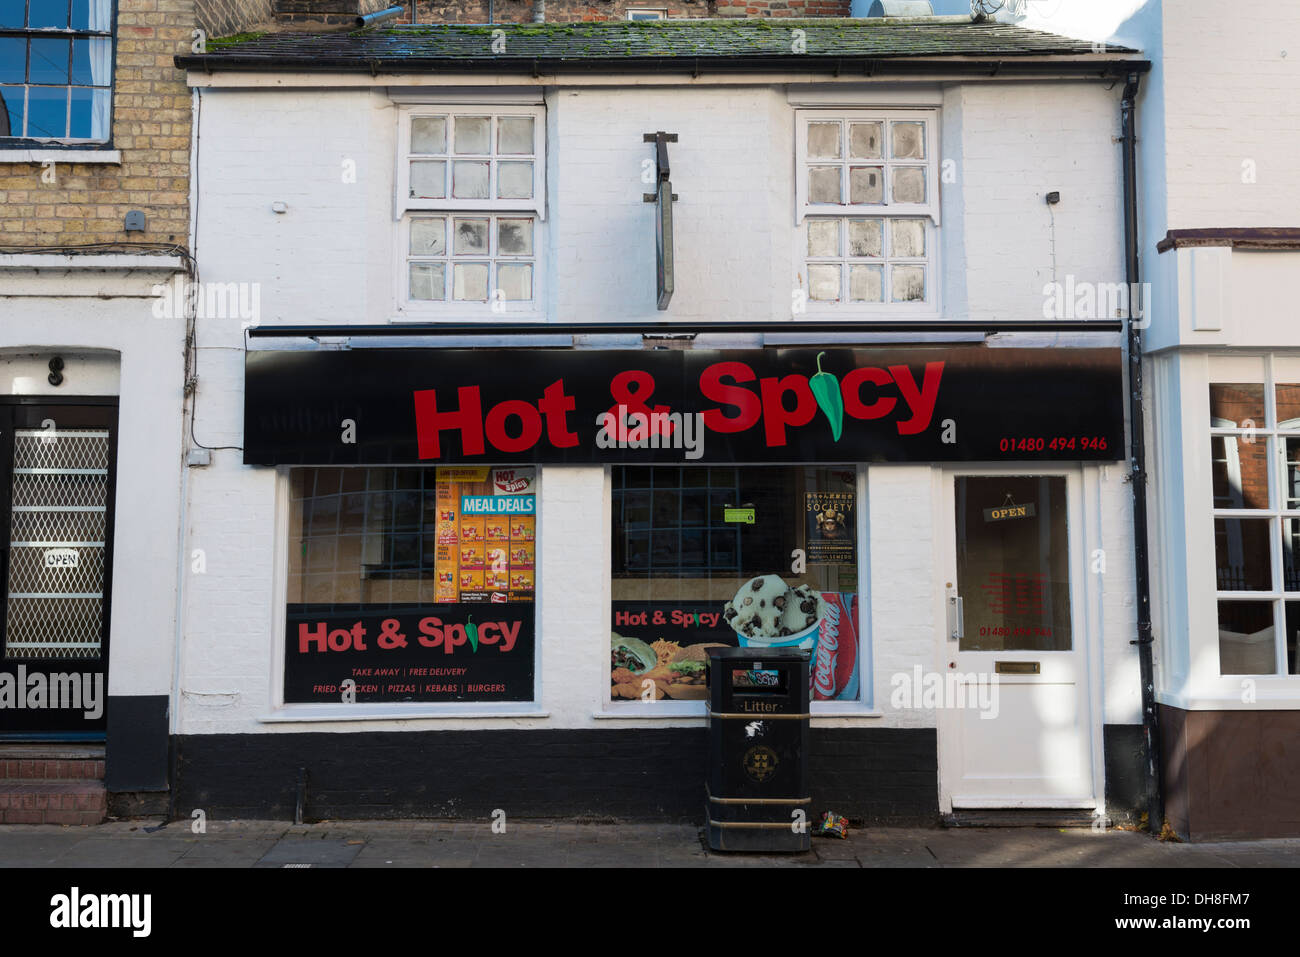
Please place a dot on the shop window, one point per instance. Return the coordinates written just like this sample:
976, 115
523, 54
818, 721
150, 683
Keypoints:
415, 583
867, 204
1255, 481
56, 72
737, 555
471, 193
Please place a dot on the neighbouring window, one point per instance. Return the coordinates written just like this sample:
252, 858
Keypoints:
471, 193
736, 555
867, 204
415, 584
56, 71
646, 13
1255, 478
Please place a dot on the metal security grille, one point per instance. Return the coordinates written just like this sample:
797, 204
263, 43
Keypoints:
57, 543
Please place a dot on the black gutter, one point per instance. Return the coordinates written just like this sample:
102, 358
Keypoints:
551, 65
652, 330
1137, 458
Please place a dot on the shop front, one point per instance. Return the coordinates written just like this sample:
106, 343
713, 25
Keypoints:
90, 438
503, 569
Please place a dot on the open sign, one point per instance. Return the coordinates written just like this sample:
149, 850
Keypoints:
60, 558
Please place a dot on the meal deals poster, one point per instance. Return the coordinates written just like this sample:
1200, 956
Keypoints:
667, 643
474, 643
486, 536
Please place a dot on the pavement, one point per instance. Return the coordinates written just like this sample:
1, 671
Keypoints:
394, 844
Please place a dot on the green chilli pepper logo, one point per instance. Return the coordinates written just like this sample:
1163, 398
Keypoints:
471, 632
826, 389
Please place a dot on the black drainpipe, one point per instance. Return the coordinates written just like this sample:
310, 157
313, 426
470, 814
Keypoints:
1137, 460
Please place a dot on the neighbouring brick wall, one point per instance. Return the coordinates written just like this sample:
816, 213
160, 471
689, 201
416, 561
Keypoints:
221, 18
151, 126
329, 12
573, 11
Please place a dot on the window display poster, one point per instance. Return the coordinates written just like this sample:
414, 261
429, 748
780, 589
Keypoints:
486, 531
830, 527
431, 653
659, 649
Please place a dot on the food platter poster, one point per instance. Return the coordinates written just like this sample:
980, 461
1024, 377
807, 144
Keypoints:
830, 526
428, 653
667, 643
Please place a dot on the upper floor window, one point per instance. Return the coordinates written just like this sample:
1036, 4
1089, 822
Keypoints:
470, 198
647, 13
868, 207
56, 70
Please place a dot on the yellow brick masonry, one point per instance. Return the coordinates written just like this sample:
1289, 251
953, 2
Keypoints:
151, 126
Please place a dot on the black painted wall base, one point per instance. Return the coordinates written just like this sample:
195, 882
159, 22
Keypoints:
872, 775
135, 748
1127, 784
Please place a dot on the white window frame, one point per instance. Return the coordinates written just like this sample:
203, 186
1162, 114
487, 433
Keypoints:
513, 308
406, 209
662, 13
928, 212
929, 208
1277, 514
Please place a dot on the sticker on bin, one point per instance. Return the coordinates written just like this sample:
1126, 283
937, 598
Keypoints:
757, 677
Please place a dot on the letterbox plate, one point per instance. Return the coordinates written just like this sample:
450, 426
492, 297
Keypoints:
1017, 668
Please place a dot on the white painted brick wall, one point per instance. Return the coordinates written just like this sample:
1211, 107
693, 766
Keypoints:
906, 558
1231, 78
1018, 144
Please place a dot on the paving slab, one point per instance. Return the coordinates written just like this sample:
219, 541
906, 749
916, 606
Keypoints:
533, 844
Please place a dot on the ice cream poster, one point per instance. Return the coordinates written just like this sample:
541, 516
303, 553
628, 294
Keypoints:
658, 649
830, 527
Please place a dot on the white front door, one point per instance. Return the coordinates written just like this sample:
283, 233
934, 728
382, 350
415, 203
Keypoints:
1019, 732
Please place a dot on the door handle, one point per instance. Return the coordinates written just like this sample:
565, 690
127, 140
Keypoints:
956, 619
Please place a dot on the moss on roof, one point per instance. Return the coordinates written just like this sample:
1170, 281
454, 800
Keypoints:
225, 43
732, 39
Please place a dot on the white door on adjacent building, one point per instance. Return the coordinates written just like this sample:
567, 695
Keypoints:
1015, 728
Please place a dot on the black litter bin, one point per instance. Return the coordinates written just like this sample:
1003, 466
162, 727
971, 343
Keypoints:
757, 791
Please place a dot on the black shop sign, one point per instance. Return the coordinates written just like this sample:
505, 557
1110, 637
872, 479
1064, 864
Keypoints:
429, 653
967, 403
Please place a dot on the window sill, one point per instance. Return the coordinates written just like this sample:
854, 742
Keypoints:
638, 711
126, 262
103, 157
634, 711
405, 712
